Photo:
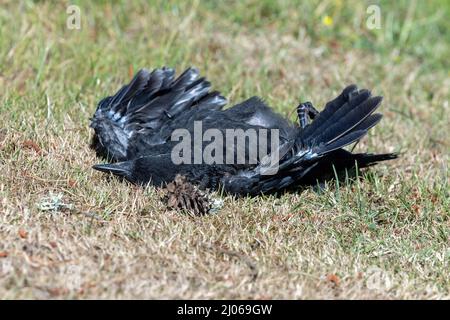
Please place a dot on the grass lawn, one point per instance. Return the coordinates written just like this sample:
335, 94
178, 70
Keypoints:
67, 231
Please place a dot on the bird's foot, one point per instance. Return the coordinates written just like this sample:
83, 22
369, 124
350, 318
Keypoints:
306, 112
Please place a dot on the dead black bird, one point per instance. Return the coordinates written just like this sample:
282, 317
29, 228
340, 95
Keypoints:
134, 131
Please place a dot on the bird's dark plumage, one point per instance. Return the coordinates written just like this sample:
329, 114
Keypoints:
137, 117
133, 130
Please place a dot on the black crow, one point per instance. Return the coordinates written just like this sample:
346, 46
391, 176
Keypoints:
134, 130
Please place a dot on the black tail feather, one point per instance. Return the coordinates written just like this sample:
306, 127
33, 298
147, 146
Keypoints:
344, 121
368, 159
369, 122
342, 124
330, 108
318, 147
338, 144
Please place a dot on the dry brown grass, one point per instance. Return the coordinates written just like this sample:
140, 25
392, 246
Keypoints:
69, 232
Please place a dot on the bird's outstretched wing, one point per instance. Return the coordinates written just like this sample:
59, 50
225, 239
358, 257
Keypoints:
144, 105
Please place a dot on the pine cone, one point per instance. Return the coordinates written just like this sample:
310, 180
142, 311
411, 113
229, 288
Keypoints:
181, 195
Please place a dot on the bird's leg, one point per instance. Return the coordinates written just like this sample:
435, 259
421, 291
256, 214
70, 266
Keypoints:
306, 112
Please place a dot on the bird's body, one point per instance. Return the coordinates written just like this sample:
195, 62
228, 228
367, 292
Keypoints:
134, 130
